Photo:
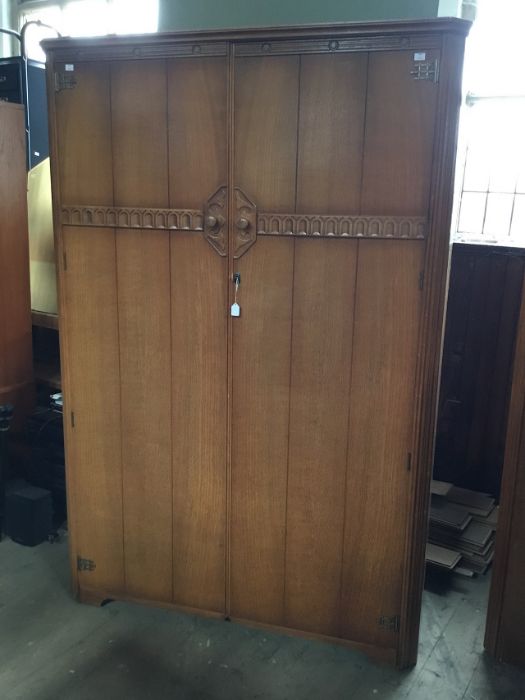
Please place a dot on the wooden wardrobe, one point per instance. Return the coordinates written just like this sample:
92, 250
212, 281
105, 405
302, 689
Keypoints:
271, 467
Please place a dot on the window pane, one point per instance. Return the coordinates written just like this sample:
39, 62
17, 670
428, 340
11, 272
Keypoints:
517, 231
476, 169
471, 213
497, 218
503, 171
86, 18
520, 186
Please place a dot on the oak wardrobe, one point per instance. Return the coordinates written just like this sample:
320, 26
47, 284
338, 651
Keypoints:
252, 243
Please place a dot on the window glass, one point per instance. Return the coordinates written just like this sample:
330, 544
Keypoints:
88, 18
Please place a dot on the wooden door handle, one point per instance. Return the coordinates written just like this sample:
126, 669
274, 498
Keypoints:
243, 223
214, 221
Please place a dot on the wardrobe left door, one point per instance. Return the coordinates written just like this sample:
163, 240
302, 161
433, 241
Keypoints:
141, 149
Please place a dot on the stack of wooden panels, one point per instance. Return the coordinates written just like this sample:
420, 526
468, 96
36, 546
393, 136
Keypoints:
462, 529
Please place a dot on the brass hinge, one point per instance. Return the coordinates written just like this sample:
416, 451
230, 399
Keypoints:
64, 80
85, 564
426, 70
390, 623
72, 419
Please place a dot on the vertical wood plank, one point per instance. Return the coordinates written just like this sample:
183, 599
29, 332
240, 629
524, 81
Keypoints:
399, 138
139, 130
387, 317
140, 169
331, 131
84, 137
266, 103
324, 285
90, 292
199, 382
143, 264
197, 140
260, 410
265, 160
197, 129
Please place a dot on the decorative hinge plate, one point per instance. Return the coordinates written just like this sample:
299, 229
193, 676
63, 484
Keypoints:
426, 70
64, 80
390, 623
85, 564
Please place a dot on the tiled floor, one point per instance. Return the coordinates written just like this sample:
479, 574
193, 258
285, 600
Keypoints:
52, 648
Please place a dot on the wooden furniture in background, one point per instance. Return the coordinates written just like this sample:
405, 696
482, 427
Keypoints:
480, 336
16, 380
41, 246
505, 632
272, 467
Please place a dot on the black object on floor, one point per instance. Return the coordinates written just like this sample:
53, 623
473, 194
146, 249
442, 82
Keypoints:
6, 414
28, 515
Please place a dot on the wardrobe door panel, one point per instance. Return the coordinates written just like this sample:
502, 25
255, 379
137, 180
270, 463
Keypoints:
197, 152
139, 133
197, 140
399, 136
260, 410
198, 421
140, 171
331, 129
266, 110
323, 309
90, 328
83, 117
143, 265
386, 327
95, 469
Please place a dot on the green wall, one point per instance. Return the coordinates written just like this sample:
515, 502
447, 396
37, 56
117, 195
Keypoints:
211, 14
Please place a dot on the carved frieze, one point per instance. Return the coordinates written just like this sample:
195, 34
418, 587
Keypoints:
323, 226
133, 217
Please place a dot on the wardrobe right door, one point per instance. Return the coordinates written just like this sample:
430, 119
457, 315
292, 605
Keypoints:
332, 168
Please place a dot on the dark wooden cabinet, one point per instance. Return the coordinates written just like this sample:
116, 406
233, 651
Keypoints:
480, 337
270, 467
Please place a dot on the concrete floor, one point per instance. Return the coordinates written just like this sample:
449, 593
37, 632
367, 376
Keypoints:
52, 648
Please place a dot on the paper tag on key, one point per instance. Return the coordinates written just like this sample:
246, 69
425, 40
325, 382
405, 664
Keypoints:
235, 309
